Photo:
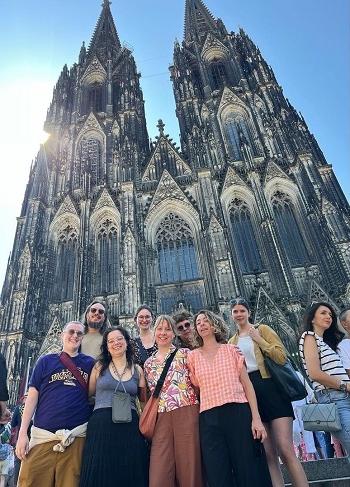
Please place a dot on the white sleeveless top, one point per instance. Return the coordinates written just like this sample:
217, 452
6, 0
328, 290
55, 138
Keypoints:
330, 361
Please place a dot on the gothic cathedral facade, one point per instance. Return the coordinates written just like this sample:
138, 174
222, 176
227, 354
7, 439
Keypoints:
247, 207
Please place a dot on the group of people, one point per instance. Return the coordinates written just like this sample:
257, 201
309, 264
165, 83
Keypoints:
222, 421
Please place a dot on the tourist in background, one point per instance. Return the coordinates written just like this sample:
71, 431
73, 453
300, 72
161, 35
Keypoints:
185, 337
144, 345
318, 350
95, 324
4, 395
276, 411
115, 453
343, 348
231, 431
175, 451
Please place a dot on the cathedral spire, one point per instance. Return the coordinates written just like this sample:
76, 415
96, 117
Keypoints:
105, 38
198, 20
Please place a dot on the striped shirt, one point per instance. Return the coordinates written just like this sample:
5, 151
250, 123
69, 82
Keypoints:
330, 361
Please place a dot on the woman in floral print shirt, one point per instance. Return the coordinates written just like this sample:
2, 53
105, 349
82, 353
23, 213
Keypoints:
175, 452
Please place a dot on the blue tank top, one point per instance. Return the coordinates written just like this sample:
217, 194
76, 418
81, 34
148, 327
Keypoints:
106, 384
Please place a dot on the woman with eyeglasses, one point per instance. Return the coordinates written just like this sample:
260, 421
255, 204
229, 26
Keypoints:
276, 411
115, 452
318, 348
144, 345
231, 431
175, 451
95, 324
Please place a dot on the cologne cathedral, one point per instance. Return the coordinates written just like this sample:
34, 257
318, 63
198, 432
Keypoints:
248, 206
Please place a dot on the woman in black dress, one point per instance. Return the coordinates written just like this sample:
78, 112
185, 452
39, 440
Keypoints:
115, 453
144, 345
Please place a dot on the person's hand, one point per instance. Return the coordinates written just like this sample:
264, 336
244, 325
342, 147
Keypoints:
258, 430
22, 446
254, 333
5, 416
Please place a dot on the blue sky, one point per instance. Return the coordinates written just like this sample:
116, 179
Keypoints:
305, 41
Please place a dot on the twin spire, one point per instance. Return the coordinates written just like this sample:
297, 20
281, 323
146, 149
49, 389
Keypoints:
198, 22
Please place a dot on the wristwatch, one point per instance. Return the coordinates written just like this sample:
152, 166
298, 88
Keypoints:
343, 386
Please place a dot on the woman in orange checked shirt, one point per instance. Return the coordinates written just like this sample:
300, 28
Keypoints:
231, 431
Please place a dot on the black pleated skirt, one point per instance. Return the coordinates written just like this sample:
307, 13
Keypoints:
115, 454
271, 403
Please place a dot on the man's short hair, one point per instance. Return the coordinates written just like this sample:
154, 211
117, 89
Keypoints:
72, 323
182, 316
342, 316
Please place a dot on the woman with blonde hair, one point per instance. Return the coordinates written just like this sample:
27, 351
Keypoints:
231, 431
175, 452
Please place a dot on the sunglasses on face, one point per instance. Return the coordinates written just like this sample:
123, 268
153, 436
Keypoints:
73, 332
97, 310
184, 326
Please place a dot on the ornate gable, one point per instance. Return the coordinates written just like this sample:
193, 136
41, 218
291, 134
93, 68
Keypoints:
104, 199
232, 179
215, 225
267, 312
213, 49
317, 293
230, 98
52, 342
67, 206
95, 72
91, 123
274, 171
167, 188
165, 156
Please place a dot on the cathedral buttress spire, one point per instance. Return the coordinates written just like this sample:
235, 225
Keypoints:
198, 21
105, 38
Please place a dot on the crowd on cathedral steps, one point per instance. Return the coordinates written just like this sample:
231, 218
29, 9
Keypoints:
220, 419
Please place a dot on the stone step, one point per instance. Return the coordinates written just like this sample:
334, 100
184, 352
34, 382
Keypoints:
325, 473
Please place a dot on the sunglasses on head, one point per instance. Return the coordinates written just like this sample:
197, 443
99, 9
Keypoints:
73, 332
184, 326
97, 310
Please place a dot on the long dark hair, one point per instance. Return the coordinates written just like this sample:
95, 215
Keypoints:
105, 358
332, 336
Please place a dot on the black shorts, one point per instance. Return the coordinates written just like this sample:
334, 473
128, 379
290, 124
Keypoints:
271, 403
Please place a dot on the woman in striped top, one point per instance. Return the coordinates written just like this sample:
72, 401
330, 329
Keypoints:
317, 347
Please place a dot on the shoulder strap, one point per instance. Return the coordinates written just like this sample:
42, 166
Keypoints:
163, 374
68, 362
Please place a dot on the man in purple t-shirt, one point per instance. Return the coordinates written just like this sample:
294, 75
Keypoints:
58, 396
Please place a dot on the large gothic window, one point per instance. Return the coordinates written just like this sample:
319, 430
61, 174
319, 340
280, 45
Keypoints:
289, 230
106, 277
244, 239
176, 250
65, 264
237, 132
91, 159
92, 98
218, 74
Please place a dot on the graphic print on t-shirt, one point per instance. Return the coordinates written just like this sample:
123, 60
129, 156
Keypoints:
67, 377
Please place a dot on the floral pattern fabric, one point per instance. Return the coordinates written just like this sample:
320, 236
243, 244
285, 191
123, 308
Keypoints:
177, 390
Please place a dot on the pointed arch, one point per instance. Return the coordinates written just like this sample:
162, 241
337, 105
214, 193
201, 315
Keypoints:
177, 260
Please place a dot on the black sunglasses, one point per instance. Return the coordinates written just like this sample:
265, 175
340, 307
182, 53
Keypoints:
97, 310
184, 326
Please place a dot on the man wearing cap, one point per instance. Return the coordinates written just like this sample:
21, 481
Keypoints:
58, 395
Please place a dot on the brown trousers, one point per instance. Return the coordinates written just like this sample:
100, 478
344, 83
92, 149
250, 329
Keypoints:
46, 468
175, 453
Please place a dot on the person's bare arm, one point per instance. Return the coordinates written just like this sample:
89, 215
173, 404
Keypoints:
95, 372
29, 409
313, 365
142, 391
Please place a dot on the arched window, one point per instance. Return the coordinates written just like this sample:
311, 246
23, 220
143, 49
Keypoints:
176, 251
289, 230
92, 98
65, 264
218, 75
106, 277
244, 239
91, 159
237, 132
